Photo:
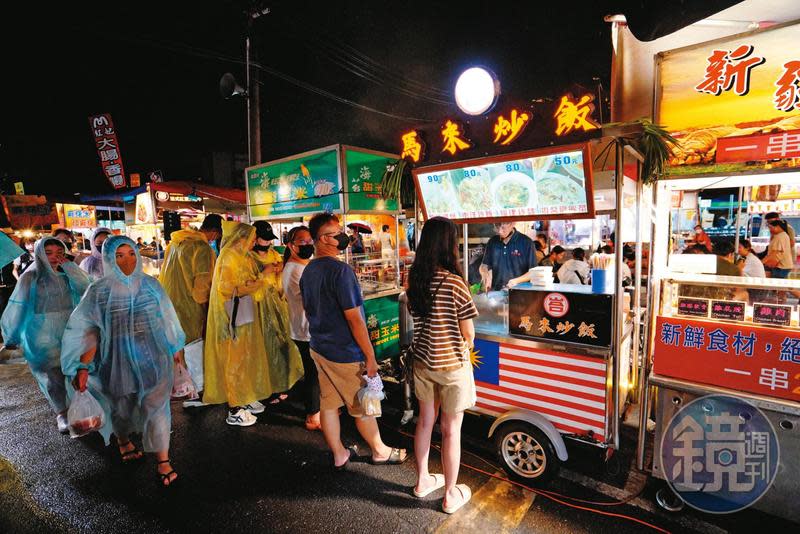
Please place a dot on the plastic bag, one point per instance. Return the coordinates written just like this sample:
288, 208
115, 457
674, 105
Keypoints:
85, 415
371, 395
193, 354
182, 385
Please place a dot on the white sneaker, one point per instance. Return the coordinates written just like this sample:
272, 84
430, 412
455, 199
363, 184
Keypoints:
255, 408
241, 418
197, 403
63, 424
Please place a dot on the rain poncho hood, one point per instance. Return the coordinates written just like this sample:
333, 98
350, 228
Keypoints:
37, 314
93, 264
235, 370
133, 325
186, 277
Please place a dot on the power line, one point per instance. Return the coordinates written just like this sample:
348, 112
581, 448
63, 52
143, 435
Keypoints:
212, 54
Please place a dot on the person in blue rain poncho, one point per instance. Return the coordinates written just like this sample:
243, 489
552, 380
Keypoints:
121, 342
37, 314
93, 264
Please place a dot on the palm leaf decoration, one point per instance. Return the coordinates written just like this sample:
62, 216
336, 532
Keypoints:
654, 143
397, 183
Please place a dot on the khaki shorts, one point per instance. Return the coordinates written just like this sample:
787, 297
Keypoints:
339, 384
453, 390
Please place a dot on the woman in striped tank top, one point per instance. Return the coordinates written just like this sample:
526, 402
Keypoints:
442, 308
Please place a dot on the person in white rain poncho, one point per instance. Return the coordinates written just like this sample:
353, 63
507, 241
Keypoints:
37, 314
93, 264
121, 342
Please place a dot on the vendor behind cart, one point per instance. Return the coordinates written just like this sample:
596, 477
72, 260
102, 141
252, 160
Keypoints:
508, 258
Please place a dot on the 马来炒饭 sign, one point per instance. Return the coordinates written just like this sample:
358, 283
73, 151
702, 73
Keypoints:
582, 318
107, 144
555, 182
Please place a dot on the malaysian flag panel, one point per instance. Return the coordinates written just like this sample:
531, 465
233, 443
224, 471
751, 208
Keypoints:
569, 390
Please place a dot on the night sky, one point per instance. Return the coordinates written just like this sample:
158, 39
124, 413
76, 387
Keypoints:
156, 69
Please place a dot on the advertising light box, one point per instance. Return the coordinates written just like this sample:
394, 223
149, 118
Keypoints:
552, 183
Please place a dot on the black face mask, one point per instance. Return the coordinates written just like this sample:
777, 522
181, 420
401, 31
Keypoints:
305, 251
342, 241
261, 248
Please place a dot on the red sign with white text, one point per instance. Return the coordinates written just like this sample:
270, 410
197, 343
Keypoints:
105, 139
755, 359
759, 147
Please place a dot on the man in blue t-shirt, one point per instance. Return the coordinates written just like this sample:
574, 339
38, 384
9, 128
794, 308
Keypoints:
508, 257
340, 344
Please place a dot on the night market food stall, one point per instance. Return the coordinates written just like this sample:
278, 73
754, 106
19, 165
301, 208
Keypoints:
344, 180
552, 362
716, 335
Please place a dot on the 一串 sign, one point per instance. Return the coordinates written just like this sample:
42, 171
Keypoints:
755, 359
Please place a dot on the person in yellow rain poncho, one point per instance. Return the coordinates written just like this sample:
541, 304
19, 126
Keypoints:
283, 357
236, 369
186, 274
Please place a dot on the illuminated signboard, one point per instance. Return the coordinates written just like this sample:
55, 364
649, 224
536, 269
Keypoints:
732, 102
568, 119
295, 186
551, 183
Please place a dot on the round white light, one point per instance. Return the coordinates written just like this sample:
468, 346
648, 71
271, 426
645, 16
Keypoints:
476, 91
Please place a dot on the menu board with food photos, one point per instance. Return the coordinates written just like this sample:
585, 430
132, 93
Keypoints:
552, 183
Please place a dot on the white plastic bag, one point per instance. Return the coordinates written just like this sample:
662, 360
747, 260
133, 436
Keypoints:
85, 415
182, 385
193, 354
371, 395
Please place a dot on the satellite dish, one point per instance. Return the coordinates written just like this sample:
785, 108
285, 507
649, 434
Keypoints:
228, 86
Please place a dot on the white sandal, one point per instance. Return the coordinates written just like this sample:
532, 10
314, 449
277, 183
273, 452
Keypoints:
438, 483
465, 492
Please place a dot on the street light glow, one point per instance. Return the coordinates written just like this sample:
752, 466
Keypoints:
476, 91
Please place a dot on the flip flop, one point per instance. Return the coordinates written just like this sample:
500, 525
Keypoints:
353, 450
438, 483
465, 492
393, 459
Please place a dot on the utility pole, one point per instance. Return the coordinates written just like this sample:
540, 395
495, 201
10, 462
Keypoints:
253, 89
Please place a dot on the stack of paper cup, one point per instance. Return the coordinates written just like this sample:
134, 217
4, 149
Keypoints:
541, 276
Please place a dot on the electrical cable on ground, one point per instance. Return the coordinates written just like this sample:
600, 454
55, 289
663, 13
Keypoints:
554, 496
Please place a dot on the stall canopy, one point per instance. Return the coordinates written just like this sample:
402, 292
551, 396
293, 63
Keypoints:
215, 198
651, 20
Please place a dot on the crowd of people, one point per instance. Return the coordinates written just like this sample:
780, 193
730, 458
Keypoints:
777, 260
265, 322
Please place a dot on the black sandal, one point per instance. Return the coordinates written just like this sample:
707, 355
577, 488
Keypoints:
133, 455
352, 452
395, 458
165, 476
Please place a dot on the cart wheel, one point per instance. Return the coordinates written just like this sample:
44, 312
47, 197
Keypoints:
668, 500
526, 453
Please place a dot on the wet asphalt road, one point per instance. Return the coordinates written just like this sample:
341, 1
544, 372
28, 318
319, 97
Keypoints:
275, 477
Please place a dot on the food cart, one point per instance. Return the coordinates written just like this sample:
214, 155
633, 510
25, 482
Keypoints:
552, 363
344, 180
714, 334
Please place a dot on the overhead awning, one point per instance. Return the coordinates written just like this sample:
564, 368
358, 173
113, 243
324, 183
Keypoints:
650, 20
225, 194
